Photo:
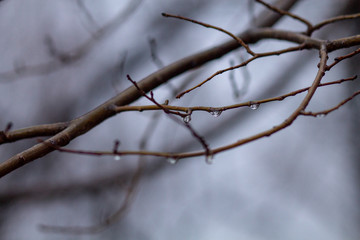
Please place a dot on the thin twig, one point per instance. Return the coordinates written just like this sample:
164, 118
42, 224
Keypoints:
334, 19
170, 113
223, 108
325, 112
258, 55
152, 99
239, 40
283, 12
339, 59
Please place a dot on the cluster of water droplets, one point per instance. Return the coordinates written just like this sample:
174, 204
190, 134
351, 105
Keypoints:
321, 115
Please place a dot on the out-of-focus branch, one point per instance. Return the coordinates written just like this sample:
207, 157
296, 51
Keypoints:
86, 12
108, 221
286, 13
62, 59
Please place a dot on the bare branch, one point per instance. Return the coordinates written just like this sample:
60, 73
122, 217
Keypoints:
256, 56
286, 13
224, 108
239, 40
34, 131
334, 19
186, 117
299, 111
339, 59
325, 112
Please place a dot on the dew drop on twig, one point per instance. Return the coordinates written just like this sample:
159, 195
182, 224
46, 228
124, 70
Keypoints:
321, 115
117, 158
209, 159
172, 160
215, 113
187, 118
254, 106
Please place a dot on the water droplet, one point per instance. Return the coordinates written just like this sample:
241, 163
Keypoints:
215, 112
187, 118
254, 106
117, 158
172, 160
321, 115
209, 159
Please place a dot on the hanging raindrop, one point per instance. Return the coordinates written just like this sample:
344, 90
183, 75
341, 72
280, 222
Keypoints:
187, 118
321, 115
209, 159
254, 106
117, 158
215, 112
172, 160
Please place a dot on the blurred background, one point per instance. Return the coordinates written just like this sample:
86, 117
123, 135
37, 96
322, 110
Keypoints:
60, 59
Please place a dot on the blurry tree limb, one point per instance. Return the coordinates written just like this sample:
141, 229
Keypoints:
62, 59
129, 193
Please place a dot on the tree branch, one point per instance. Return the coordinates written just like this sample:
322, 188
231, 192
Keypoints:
86, 122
